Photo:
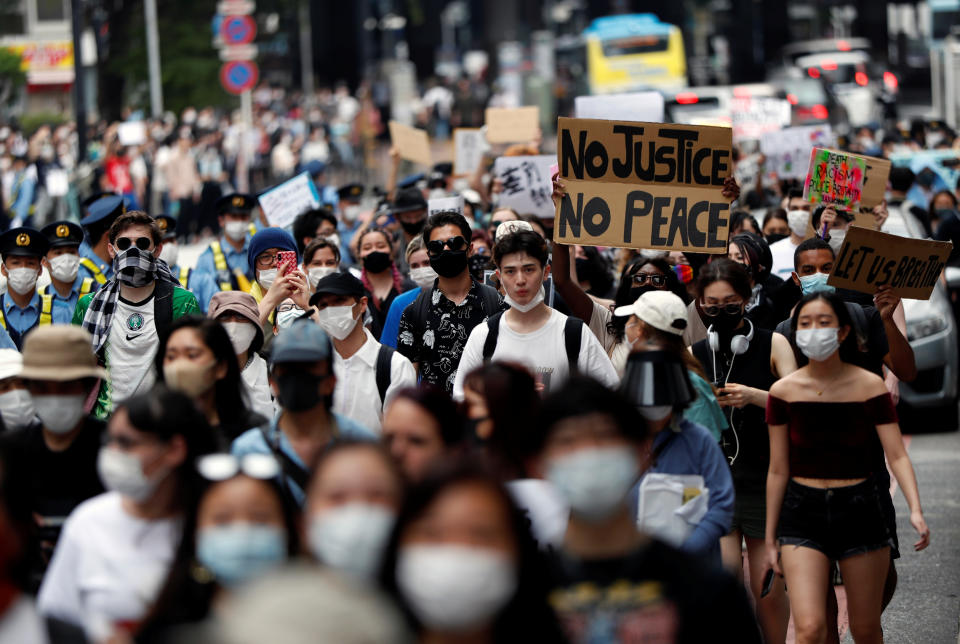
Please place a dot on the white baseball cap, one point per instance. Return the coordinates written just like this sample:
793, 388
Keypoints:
11, 363
662, 310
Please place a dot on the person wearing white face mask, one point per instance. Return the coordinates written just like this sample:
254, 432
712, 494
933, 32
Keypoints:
592, 445
276, 280
423, 275
238, 314
22, 309
16, 406
62, 262
321, 257
548, 342
226, 261
798, 219
53, 458
368, 373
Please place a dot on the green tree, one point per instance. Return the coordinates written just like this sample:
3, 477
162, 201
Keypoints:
12, 77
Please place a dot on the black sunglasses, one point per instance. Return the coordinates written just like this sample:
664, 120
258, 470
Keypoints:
436, 246
713, 311
641, 279
123, 243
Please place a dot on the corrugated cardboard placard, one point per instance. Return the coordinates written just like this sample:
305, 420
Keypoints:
512, 124
413, 144
835, 178
870, 259
643, 185
874, 182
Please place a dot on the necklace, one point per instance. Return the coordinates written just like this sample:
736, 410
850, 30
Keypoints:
829, 382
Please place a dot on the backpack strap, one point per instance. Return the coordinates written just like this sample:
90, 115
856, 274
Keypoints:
384, 360
290, 469
493, 333
162, 305
572, 336
490, 298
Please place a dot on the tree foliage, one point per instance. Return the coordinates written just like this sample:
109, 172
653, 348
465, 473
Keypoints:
12, 77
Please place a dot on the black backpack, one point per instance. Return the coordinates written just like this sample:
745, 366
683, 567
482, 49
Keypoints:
572, 335
420, 308
384, 358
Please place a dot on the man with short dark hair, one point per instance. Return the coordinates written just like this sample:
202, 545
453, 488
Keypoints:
313, 224
435, 327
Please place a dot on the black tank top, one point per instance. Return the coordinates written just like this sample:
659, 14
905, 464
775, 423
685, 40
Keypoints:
751, 369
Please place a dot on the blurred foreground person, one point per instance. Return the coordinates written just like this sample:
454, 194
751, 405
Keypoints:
420, 428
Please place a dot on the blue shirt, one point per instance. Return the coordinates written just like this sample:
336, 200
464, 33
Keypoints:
236, 259
63, 307
6, 342
391, 326
693, 450
252, 442
105, 267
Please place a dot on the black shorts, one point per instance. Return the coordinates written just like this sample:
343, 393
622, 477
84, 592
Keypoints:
840, 522
750, 508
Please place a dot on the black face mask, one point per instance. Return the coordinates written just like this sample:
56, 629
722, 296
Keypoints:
413, 228
636, 292
773, 238
584, 269
723, 323
377, 262
449, 263
478, 264
298, 391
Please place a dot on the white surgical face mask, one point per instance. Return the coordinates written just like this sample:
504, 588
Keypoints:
64, 267
594, 481
798, 221
317, 273
655, 412
337, 321
267, 277
60, 414
286, 318
350, 213
351, 537
123, 473
836, 240
170, 253
424, 276
22, 280
529, 306
818, 344
16, 408
236, 230
241, 335
453, 587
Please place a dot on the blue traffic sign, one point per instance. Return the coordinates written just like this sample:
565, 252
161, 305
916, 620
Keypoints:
238, 76
238, 30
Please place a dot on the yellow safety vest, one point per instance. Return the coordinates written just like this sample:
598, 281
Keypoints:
86, 286
98, 275
220, 264
46, 312
184, 277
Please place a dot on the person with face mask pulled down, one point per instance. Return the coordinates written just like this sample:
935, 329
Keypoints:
22, 308
368, 373
592, 445
238, 315
303, 381
53, 461
62, 262
125, 317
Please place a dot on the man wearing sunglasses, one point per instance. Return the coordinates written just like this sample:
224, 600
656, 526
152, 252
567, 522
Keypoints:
126, 316
21, 308
225, 259
435, 327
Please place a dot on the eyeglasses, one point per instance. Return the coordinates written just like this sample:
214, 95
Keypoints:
656, 280
731, 308
123, 243
436, 246
266, 261
220, 467
285, 307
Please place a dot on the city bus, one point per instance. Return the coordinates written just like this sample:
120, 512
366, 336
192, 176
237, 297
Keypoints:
632, 52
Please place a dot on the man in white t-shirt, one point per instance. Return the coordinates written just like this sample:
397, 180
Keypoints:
530, 332
798, 218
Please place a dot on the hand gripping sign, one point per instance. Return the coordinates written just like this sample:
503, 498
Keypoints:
643, 185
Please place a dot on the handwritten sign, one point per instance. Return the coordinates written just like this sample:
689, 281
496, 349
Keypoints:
834, 178
282, 204
413, 144
788, 151
870, 259
752, 116
468, 148
643, 185
636, 106
526, 184
512, 124
445, 204
874, 181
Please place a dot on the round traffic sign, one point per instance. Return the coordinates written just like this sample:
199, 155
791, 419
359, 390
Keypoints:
238, 76
238, 30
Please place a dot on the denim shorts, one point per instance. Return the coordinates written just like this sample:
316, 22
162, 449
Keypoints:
840, 522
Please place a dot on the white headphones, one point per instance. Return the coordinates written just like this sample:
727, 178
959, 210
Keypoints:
738, 343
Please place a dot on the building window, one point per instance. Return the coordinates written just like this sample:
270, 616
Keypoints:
51, 10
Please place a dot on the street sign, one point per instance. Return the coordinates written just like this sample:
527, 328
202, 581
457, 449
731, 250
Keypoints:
238, 52
238, 30
236, 7
238, 76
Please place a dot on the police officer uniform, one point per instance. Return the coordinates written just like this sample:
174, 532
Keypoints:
226, 267
101, 213
24, 242
66, 234
348, 197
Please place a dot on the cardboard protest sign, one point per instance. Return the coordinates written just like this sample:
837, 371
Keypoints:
512, 124
870, 259
834, 178
468, 149
636, 106
282, 204
643, 185
445, 203
752, 116
413, 144
874, 182
788, 151
527, 187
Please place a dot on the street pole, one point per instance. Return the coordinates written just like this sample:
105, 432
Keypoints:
306, 51
153, 58
243, 162
79, 91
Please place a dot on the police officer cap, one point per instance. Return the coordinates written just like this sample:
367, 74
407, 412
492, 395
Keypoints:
315, 168
23, 242
104, 208
95, 196
412, 180
63, 233
350, 192
238, 204
167, 226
